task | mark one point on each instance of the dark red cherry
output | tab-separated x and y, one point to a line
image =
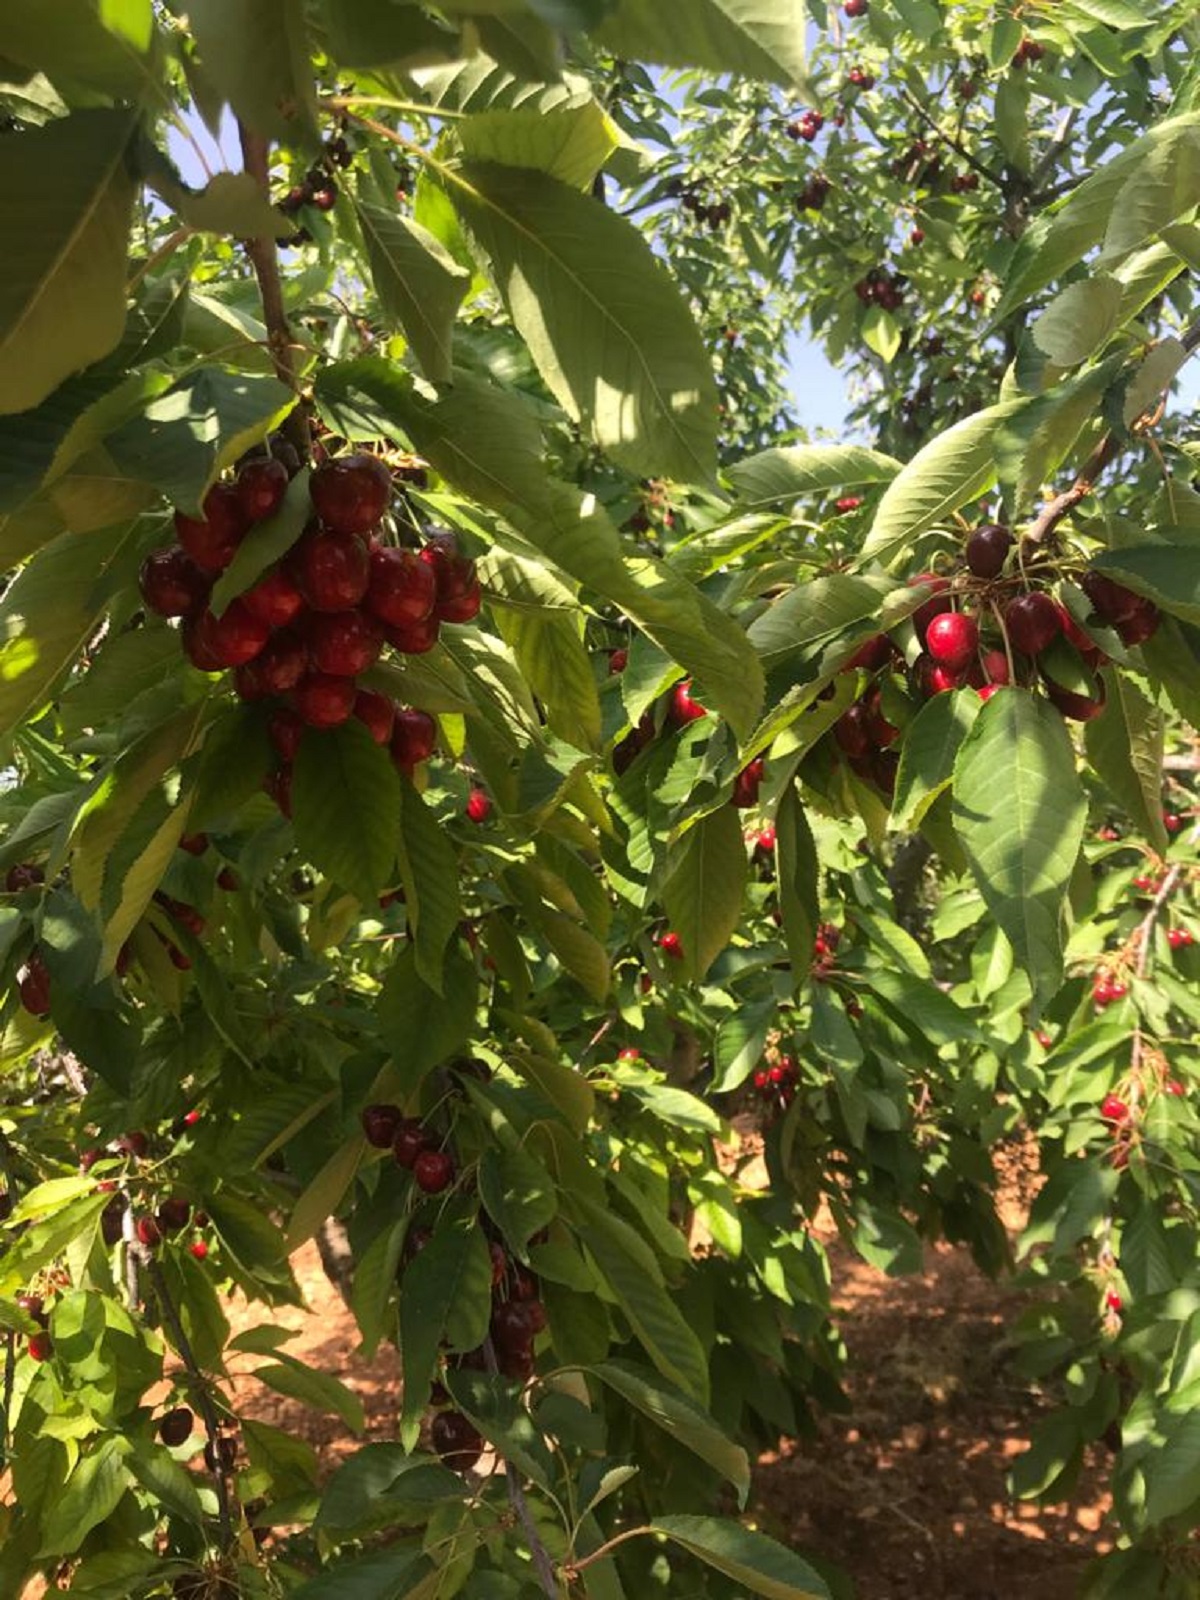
380	1123
416	639
171	583
1032	623
377	714
987	549
402	589
455	1440
330	569
274	599
343	643
352	493
414	738
261	486
324	701
212	541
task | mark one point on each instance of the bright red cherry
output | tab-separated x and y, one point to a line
1176	1088
324	701
330	569
352	493
212	541
1180	938
377	714
952	639
286	730
764	839
1032	623
995	667
856	8
683	708
847	503
1113	1301
630	1053
1172	821
148	1231
274	599
403	589
1103	993
671	945
479	805
746	784
414	739
171	583
1113	1108
433	1171
40	1346
987	549
33	988
199	1249
343	643
231	639
261	486
416	639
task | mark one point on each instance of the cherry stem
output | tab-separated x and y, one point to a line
265	259
200	1396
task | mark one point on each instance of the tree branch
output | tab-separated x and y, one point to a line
1052	513
542	1563
265	259
952	140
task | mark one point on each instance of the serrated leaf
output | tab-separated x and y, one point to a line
1168	574
265	544
429	870
1153	376
420	1025
607	327
799	874
68	201
1019	811
374	1280
375	1479
326	1191
784	473
740	1041
313	1388
703	890
256	54
1078	320
681	1418
419	283
931	743
446	1293
346	805
736	36
1125	745
571	142
750	1559
518	1194
89	1498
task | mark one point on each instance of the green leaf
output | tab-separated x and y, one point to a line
326	1191
420	1025
799	876
814	610
1168	573
429	870
518	1194
1019	811
256	54
741	1039
1164	188
230	202
492	1404
1078	321
90	1497
931	744
446	1293
665	1334
313	1388
161	1475
74	43
570	142
68	195
375	1480
786	472
419	283
362	33
1125	745
750	1559
265	544
245	1230
602	318
374	1280
956	467
681	1418
881	333
552	658
703	891
346	804
737	36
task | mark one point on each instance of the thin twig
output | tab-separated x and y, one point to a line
1055	510
265	260
955	143
200	1396
542	1563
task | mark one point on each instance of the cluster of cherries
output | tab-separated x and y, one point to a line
861	78
715	214
682	710
307	629
1028	52
881	287
414	1144
776	1084
806	126
955	652
814	193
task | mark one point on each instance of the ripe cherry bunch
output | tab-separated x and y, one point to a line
776	1083
314	622
992	623
681	710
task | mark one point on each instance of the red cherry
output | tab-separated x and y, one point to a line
1142	625
148	1232
175	1427
33	1306
33	988
376	712
952	639
330	569
874	653
403	589
414	640
987	549
1180	938
455	1440
1032	623
351	494
1172	821
847	503
212	542
171	583
746	784
939	679
194	843
765	839
433	1171
938	600
1079	707
1111	601
411	1139
324	701
1113	1108
851	731
199	1249
343	643
1113	1301
618	660
1176	1088
1102	993
174	1213
671	945
274	599
227	878
630	1053
856	8
379	1123
197	643
414	739
231	639
995	667
479	805
261	486
683	708
286	730
283	663
987	690
24	875
40	1346
762	1079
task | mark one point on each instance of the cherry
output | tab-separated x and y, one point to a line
987	549
403	589
282	664
148	1231
851	731
746	784
1172	821
1174	1087
233	638
683	708
1032	623
1180	938
171	583
433	1171
351	493
41	1346
1113	1108
630	1053
379	1125
618	660
938	601
223	1458
330	569
764	839
856	8
513	1324
671	945
198	1249
1113	1301
455	1440
917	236
458	593
177	958
479	805
1103	993
414	739
174	1213
416	639
1079	707
344	643
212	541
261	486
874	653
376	712
1111	601
33	1306
952	639
34	987
197	644
274	599
24	875
995	667
175	1427
1142	625
847	503
323	701
411	1139
987	690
